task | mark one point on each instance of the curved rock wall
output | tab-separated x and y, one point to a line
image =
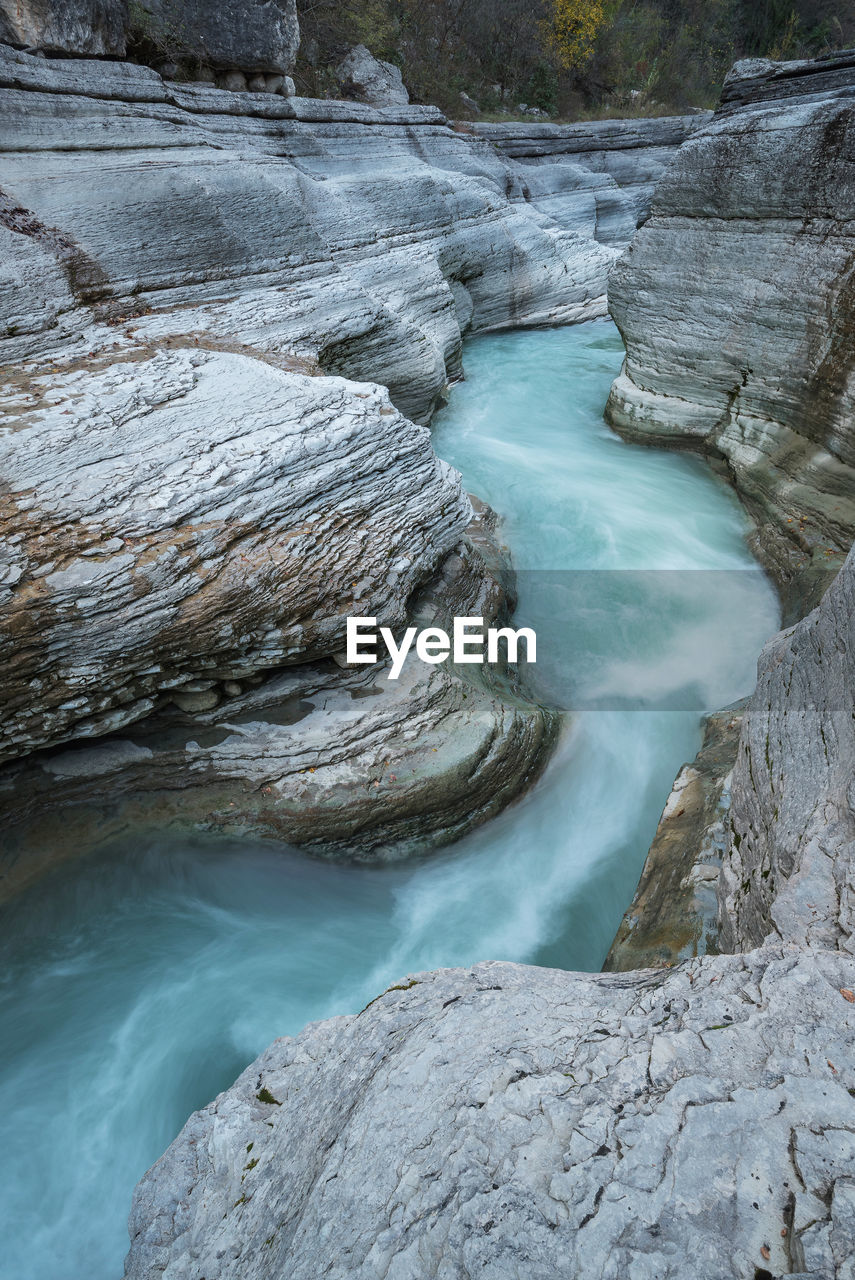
173	254
735	302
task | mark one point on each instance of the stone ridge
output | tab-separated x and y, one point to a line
508	1121
789	872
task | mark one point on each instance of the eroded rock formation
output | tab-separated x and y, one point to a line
341	761
199	515
695	1120
191	500
735	303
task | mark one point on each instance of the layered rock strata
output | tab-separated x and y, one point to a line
191	500
607	169
789	872
693	1119
734	301
342	762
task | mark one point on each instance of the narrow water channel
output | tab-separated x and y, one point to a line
136	985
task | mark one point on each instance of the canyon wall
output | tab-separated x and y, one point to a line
201	482
735	304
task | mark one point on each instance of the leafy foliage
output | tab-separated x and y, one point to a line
567	57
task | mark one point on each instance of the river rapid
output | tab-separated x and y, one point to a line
137	983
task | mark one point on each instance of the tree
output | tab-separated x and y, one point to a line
571	30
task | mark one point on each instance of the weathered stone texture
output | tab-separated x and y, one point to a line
199	515
736	304
790	870
89	27
507	1121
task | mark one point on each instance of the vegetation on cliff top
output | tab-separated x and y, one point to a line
567	58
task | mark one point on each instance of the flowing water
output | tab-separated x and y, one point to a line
137	984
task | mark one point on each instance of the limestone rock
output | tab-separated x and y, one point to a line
735	303
603	172
361	75
91	27
192	512
790	868
508	1121
674	913
231	35
340	761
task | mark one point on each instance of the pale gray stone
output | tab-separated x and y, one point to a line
361	75
735	301
505	1121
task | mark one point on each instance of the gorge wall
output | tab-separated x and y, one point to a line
200	484
735	303
689	1120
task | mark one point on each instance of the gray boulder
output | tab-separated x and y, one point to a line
231	35
94	27
360	75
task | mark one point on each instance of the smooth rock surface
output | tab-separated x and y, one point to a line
507	1121
735	303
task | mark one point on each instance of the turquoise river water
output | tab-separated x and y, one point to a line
136	985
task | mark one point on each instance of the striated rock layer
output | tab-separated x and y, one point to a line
199	515
735	303
344	763
189	499
697	1119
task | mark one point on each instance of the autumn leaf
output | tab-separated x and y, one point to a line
764	1252
847	994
